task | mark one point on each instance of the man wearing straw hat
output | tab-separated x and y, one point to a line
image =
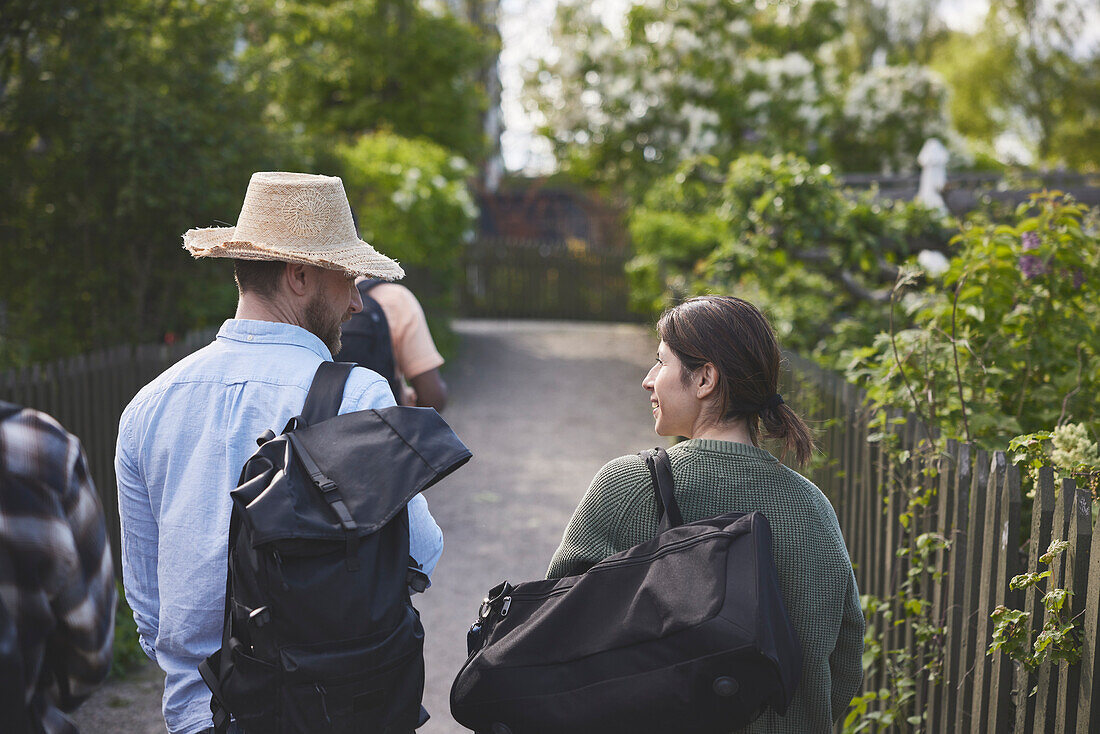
184	437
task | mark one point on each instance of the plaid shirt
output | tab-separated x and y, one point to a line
57	590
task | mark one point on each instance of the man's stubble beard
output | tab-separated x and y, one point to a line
322	323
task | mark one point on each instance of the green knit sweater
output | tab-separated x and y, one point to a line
815	573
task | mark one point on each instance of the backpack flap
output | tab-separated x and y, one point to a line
377	459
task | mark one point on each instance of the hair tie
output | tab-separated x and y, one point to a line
773	402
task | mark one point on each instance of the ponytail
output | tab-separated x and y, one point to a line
783	424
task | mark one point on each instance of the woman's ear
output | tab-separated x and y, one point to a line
706	381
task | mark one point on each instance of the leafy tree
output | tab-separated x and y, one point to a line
125	122
121	125
724	78
345	67
1027	72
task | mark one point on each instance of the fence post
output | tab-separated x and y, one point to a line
1077	564
1042	519
1046	702
1088	700
990	549
1008	565
954	656
970	607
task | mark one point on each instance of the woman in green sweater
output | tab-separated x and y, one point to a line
715	382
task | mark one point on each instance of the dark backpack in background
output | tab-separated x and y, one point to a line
320	634
685	633
367	340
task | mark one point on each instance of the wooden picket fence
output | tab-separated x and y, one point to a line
86	394
509	278
976	505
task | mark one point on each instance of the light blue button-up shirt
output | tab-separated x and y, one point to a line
181	444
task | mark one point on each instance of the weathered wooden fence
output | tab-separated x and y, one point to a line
86	394
965	192
541	279
976	505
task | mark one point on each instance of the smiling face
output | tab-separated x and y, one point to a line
673	395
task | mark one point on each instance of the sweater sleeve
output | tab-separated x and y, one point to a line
846	660
589	537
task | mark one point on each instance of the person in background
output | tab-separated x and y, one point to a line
716	382
57	586
390	336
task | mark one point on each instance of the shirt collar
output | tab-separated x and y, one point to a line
248	331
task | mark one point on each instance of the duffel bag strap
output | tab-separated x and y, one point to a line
664	487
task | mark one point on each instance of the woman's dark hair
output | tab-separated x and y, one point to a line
737	339
258	276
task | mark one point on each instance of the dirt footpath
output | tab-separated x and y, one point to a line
542	405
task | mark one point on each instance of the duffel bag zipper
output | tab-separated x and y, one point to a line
678	545
686	542
324	707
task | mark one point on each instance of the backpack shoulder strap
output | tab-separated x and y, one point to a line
366	285
664	487
327	391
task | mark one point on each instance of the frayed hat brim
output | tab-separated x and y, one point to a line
355	257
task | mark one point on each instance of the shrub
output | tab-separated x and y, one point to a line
781	232
1008	343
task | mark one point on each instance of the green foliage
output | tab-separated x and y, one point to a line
413	203
1027	71
1068	449
892	708
345	67
782	233
124	123
127	654
1007	344
1058	638
120	127
696	77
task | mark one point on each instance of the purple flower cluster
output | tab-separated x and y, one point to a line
1031	265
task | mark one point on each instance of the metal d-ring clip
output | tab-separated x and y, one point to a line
495	594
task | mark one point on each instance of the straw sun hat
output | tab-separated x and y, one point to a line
294	217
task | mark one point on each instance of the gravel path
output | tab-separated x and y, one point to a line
542	405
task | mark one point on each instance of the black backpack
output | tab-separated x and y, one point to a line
685	633
366	339
320	634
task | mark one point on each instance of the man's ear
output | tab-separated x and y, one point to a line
706	380
297	277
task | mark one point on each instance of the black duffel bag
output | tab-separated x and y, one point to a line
684	633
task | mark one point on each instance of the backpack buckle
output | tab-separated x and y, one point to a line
259	617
